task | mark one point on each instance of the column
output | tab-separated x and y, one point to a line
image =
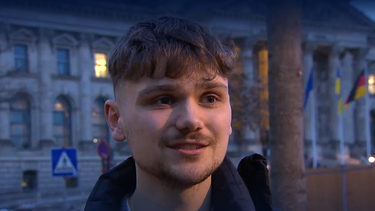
4	123
249	131
45	57
334	64
6	54
262	58
347	84
5	64
360	111
86	67
308	64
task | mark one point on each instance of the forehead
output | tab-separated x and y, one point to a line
195	81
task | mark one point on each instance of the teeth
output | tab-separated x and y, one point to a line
188	146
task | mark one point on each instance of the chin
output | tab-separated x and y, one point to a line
187	175
184	181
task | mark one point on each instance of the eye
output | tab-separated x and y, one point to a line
165	100
210	99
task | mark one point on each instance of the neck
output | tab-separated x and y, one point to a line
154	194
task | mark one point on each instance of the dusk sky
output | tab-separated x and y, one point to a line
366	6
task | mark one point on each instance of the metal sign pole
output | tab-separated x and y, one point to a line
64	164
103	150
64	195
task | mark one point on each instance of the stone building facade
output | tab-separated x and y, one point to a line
54	79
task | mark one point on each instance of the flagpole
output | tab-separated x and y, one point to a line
359	90
313	127
367	118
310	96
341	136
342	144
341	121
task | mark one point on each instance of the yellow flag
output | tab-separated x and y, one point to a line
338	90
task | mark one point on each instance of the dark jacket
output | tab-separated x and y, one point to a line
254	172
229	191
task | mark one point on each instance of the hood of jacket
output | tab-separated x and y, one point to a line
229	192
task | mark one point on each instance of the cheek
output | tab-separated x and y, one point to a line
229	121
144	125
226	120
221	124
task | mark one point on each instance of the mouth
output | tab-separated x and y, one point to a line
187	146
188	149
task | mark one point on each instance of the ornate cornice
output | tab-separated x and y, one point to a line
90	10
65	39
305	23
324	16
121	10
353	12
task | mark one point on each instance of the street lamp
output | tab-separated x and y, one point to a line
371	159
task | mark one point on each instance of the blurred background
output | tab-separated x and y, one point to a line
54	82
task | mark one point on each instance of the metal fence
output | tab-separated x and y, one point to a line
349	188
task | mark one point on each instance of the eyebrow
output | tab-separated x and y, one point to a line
211	85
177	87
159	88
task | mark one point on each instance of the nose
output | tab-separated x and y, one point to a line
189	117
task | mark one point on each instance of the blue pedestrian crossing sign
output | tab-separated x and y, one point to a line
64	162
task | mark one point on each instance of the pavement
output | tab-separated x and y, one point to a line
73	202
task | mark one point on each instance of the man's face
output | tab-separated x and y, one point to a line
177	129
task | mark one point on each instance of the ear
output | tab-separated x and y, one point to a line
112	114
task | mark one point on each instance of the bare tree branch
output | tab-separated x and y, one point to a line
247	107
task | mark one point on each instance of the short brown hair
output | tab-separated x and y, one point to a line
168	47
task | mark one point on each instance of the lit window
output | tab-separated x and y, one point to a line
371	84
263	94
63	64
29	180
101	65
20	57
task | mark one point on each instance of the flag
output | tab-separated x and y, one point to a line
309	88
338	90
358	90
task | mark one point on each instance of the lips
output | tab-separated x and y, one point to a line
187	145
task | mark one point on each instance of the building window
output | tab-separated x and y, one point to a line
20	122
63	64
29	180
371	84
71	182
20	58
263	86
62	122
99	123
101	65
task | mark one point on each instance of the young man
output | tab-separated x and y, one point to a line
172	106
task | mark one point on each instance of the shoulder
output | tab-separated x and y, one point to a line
125	205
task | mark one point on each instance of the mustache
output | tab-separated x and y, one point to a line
199	137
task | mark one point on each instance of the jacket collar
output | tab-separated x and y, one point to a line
229	192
